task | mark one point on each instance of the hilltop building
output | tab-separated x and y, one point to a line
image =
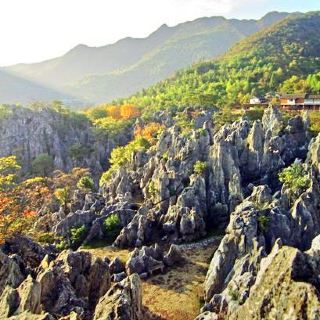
258	100
300	101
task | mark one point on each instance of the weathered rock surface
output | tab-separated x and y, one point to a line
252	274
122	302
147	260
179	203
285	289
29	133
72	283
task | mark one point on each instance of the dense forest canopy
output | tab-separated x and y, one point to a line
283	58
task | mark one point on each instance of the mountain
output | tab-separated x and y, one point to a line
15	89
99	74
283	57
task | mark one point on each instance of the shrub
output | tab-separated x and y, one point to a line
165	156
234	294
46	237
185	122
226	115
263	222
42	165
315	122
122	155
5	111
112	227
78	151
62	245
254	113
129	111
110	126
150	132
199	167
86	183
77	236
8	172
152	188
295	178
63	195
202	131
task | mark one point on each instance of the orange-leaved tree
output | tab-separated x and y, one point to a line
150	132
19	202
129	111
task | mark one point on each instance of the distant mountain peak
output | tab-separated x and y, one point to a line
104	73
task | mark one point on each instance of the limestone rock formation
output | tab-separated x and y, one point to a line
246	272
122	302
29	133
72	283
147	260
179	203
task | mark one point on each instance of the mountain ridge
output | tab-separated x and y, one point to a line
97	74
281	58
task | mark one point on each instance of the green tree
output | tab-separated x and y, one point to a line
77	236
63	195
199	167
112	227
295	178
42	165
9	168
86	183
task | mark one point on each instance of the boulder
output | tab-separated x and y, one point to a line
173	256
116	266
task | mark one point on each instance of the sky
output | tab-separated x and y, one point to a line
36	30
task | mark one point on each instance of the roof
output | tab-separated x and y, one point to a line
293	96
313	96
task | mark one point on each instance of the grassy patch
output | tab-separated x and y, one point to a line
103	251
178	294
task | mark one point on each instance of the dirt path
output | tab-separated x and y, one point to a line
177	294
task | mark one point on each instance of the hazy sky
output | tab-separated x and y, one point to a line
34	30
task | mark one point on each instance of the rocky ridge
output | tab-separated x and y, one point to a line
163	196
66	137
69	285
260	267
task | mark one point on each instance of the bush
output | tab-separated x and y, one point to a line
315	122
112	227
46	237
78	151
226	115
234	294
254	113
263	222
199	167
122	155
151	131
85	183
42	165
295	178
5	111
152	189
63	195
77	236
62	245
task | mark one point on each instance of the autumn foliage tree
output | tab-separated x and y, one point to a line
129	111
19	202
150	131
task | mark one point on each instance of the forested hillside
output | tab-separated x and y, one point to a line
283	58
